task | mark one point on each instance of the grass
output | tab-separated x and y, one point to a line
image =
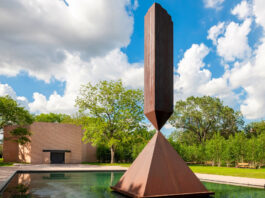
227	171
5	163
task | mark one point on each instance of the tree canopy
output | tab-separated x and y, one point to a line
12	114
198	118
255	128
52	117
114	113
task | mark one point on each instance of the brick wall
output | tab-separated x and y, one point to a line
89	153
51	136
10	148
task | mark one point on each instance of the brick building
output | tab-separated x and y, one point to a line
50	143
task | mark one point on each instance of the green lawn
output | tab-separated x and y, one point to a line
238	172
5	163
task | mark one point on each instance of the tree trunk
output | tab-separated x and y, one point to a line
112	153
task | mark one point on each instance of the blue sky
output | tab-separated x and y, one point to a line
49	48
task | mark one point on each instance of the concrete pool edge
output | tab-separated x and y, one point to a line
230	180
3	186
233	183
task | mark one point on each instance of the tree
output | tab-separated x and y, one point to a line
198	118
252	151
255	149
215	148
12	114
255	128
193	153
173	139
21	135
114	113
227	153
52	117
261	149
238	146
189	151
140	139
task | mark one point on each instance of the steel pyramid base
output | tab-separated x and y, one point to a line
159	171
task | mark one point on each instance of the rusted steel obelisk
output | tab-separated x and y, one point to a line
159	171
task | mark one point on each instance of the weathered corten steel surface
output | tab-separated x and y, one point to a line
159	171
158	66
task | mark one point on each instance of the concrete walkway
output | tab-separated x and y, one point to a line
8	171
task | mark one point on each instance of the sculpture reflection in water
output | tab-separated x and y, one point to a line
19	186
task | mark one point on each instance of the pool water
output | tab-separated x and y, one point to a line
96	185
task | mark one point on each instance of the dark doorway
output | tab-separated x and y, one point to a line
57	157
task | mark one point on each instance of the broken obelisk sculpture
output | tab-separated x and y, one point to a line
159	171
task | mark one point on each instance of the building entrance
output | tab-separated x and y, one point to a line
57	158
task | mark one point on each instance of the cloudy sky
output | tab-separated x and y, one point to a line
49	48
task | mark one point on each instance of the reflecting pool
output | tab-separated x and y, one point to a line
96	185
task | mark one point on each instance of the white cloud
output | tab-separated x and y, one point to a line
250	74
55	104
247	73
47	39
113	66
74	44
259	7
240	74
5	90
34	35
168	126
251	77
191	72
220	87
242	10
213	3
194	80
215	31
253	106
234	44
243	80
135	5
